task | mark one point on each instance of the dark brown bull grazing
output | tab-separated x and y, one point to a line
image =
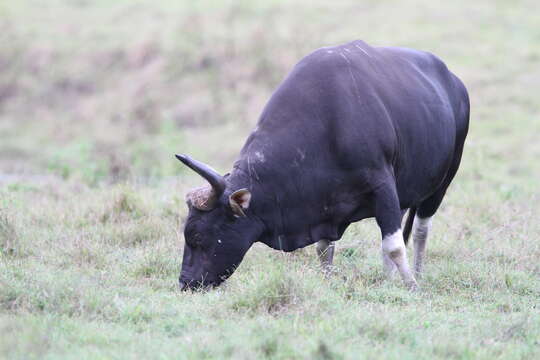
353	132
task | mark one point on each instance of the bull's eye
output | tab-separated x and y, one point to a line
194	239
197	239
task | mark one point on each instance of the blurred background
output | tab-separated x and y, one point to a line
99	91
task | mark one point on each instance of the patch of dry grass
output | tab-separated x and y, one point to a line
8	234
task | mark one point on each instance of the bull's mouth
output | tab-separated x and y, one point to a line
202	285
194	285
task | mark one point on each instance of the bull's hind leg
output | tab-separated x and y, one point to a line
325	252
388	216
422	225
426	210
420	233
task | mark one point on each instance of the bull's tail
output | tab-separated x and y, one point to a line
409	224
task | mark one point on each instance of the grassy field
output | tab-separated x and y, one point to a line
96	97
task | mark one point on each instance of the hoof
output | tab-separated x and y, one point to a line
329	270
413	286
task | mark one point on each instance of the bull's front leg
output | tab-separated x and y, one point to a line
388	265
325	252
388	216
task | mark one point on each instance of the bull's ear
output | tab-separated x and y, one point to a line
239	201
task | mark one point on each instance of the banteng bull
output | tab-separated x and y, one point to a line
353	132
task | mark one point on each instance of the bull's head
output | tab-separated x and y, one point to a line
219	229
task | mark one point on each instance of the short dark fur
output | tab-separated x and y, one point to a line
354	131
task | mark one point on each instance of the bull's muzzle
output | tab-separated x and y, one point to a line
194	285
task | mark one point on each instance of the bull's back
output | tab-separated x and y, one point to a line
392	111
428	113
363	110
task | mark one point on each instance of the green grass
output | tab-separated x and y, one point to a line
96	97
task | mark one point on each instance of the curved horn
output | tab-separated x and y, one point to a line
217	181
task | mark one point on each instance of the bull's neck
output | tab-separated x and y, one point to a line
241	176
247	174
265	204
